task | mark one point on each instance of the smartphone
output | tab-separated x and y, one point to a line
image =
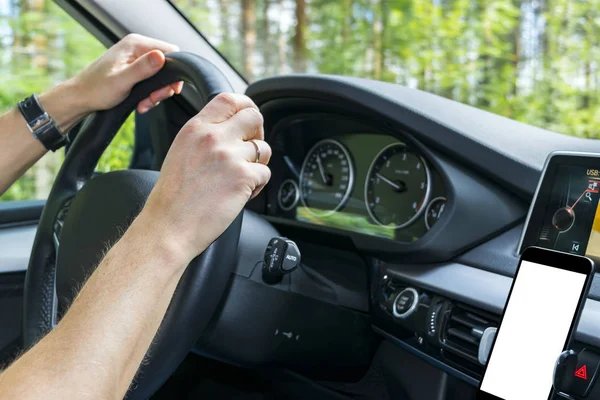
539	320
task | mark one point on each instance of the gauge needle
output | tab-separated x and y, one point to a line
389	182
322	170
287	196
577	201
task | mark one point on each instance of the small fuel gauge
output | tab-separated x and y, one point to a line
434	211
288	195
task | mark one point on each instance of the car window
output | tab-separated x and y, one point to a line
41	46
533	61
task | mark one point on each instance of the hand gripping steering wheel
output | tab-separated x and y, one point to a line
100	208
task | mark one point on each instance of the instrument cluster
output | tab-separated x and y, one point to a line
356	180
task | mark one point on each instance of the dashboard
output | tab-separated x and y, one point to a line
341	174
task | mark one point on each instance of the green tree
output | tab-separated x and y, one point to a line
535	61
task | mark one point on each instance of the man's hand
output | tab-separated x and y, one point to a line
209	174
100	86
108	80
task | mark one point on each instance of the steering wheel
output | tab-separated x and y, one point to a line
100	208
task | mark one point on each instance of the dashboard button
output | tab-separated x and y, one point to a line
574	374
405	303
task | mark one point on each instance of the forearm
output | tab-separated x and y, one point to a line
19	150
96	349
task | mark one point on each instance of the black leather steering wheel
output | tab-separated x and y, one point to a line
99	210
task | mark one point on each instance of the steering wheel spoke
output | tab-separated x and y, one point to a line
59	223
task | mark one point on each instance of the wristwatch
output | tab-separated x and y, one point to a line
41	125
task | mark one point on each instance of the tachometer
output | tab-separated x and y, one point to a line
326	178
397	187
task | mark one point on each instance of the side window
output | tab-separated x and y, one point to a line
41	45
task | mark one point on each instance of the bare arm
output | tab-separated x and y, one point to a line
104	84
95	350
207	178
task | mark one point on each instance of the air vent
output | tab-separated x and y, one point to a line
468	334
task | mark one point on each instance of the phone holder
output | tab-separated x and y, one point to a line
575	373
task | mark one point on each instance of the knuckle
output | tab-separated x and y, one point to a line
132	38
209	139
197	121
249	100
242	172
267	175
226	100
222	154
256	115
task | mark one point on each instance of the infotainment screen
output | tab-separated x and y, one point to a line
565	214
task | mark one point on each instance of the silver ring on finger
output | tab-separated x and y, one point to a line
257	147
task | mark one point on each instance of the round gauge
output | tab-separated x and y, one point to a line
397	186
326	178
288	195
434	211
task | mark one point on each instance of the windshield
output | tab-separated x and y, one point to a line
534	61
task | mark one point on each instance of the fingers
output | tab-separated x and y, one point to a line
143	44
149	59
177	87
143	67
154	99
261	155
246	124
159	95
224	106
261	174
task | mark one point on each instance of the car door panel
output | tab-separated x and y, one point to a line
15	247
11	300
18	222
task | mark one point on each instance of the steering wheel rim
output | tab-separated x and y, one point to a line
204	281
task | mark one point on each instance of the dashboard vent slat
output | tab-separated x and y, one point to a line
452	332
462	332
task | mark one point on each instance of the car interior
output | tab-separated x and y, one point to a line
401	216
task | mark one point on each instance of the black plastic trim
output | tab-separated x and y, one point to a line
433	361
182	14
88	21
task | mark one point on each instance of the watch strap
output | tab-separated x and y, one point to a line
41	125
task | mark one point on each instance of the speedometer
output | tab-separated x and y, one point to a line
397	186
326	178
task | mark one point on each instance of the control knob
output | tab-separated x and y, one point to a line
282	256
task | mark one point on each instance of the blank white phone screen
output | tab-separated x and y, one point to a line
533	332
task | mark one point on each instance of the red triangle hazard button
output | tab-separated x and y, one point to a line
582	372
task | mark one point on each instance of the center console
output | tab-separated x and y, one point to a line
455	335
448	314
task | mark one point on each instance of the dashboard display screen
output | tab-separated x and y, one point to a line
534	328
566	212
